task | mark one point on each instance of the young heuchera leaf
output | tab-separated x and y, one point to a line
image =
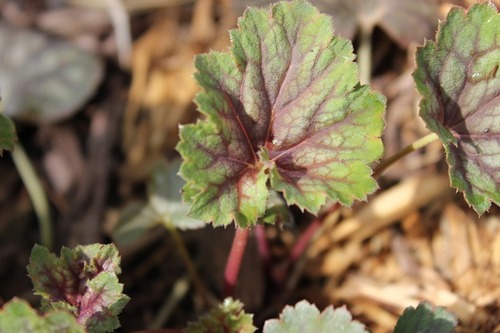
165	197
164	207
7	134
228	317
459	79
18	316
426	319
285	108
83	281
305	317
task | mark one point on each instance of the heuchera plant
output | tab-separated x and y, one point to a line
79	290
459	79
283	110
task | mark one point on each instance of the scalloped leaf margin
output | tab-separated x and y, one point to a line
425	318
18	316
305	317
228	316
284	108
82	281
459	79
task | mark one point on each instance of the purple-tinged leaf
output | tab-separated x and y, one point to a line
7	134
83	280
18	316
305	317
284	108
228	317
459	79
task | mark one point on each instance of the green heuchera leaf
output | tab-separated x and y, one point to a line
18	316
425	319
7	134
165	197
459	79
284	108
83	281
228	317
305	318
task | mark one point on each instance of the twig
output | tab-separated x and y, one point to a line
420	143
36	193
193	274
262	245
365	55
121	26
179	290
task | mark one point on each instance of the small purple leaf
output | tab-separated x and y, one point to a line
83	280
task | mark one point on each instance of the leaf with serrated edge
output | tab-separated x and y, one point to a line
285	105
426	319
7	134
305	317
228	316
18	316
459	79
82	280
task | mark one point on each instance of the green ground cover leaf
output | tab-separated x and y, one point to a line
83	281
305	318
7	134
459	79
228	317
18	316
284	108
425	319
164	207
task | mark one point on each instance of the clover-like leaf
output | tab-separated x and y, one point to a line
83	281
18	316
227	317
459	79
305	318
284	108
7	134
42	79
426	319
